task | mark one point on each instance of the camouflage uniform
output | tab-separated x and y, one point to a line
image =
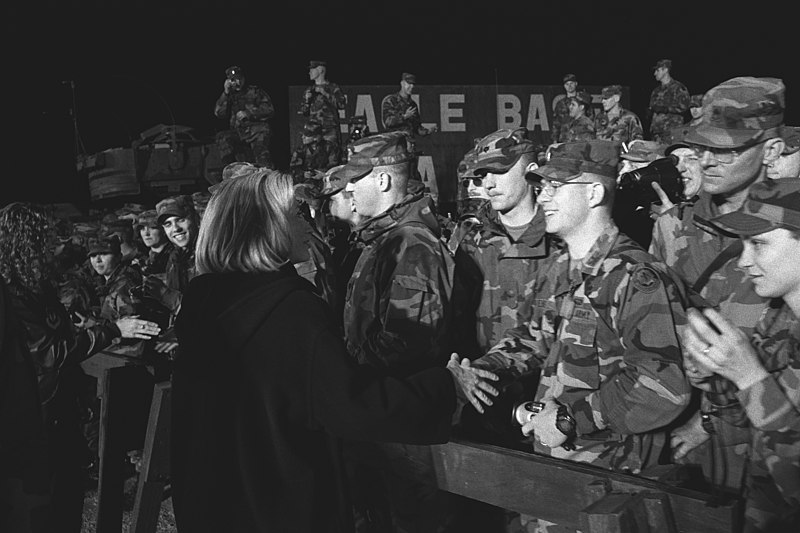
253	131
668	105
318	267
773	476
579	129
605	336
114	293
625	127
561	120
314	154
395	312
321	104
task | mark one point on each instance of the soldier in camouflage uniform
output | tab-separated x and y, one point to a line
115	280
602	325
695	109
561	117
248	109
615	123
321	104
669	102
580	126
313	154
738	138
397	308
765	370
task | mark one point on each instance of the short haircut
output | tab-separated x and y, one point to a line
400	172
247	224
609	186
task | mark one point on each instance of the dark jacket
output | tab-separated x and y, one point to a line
261	380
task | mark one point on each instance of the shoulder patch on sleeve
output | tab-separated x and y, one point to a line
645	279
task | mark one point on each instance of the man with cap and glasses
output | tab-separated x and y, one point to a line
248	109
765	367
561	108
739	137
321	104
601	325
669	102
616	123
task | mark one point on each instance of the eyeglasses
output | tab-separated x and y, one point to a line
477	181
720	155
550	187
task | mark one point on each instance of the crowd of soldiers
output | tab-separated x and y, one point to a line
676	344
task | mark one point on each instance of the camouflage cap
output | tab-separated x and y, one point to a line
234	72
663	63
147	219
790	136
696	100
316	63
570	77
374	151
582	97
642	151
105	244
332	182
175	206
499	151
770	204
469	163
611	90
408	78
740	112
569	160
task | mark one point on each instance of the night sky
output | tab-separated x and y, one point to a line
139	64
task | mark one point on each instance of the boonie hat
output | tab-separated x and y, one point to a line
374	151
740	112
499	151
569	160
769	205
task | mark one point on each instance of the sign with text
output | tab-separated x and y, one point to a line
462	113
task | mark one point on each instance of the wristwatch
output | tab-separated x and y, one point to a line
566	424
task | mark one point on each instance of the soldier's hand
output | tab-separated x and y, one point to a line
241	115
131	327
543	426
410	112
688	437
472	382
433	129
227	86
666	204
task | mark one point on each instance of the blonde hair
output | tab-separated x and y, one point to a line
247	224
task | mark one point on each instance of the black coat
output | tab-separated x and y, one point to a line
261	381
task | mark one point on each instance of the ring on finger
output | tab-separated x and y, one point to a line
707	349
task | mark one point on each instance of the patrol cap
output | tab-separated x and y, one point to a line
569	160
570	77
499	151
612	90
641	151
769	205
377	150
316	63
791	138
469	163
332	182
105	244
663	63
175	206
408	78
234	72
740	112
582	97
696	100
147	219
678	135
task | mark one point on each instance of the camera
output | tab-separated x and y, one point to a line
638	183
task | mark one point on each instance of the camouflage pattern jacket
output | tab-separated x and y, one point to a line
686	240
605	337
507	271
579	129
773	407
257	107
312	156
624	127
394	107
114	293
668	104
321	104
396	309
561	120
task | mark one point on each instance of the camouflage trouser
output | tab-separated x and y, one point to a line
661	126
332	143
249	144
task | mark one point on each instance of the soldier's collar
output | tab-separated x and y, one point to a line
593	260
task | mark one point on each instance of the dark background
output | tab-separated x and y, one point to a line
134	65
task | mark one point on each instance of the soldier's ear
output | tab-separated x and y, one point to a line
384	181
773	148
597	194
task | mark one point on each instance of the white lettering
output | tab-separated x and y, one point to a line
509	110
537	115
364	106
446	113
428	175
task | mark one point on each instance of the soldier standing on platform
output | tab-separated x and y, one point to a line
561	108
668	103
321	104
615	123
248	109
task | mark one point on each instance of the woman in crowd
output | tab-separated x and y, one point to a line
56	350
262	381
765	368
158	246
